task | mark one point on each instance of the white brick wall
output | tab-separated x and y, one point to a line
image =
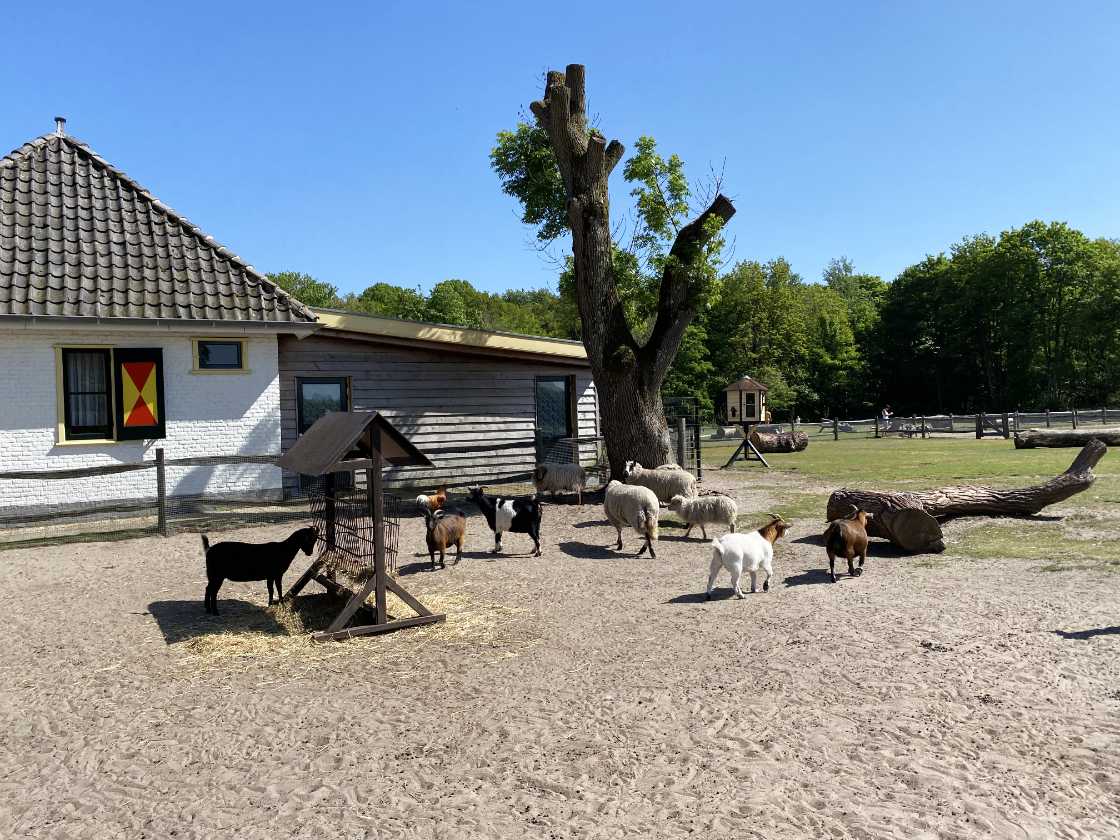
206	415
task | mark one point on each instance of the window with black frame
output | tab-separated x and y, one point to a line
218	355
316	397
87	386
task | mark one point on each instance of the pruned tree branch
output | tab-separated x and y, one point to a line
676	302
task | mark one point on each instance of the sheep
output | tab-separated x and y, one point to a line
443	529
518	516
434	502
252	561
666	483
752	551
554	478
635	506
708	509
848	539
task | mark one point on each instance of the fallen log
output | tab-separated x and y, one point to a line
914	533
1030	438
779	441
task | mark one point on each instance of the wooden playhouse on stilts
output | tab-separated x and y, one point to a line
340	459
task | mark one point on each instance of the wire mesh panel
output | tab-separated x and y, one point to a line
340	512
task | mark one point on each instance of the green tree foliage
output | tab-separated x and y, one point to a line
306	289
386	299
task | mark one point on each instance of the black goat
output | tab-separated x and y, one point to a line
252	561
518	516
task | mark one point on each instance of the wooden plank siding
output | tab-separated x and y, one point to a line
474	417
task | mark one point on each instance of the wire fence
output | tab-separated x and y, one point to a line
985	424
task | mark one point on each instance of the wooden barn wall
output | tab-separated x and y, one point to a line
473	416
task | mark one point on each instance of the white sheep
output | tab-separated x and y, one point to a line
557	478
666	483
752	551
633	506
705	510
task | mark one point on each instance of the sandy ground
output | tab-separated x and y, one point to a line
582	694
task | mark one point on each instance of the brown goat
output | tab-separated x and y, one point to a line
443	530
848	539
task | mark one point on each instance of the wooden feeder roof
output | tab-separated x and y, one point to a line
346	440
746	383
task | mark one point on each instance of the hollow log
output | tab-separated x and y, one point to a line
1031	438
779	441
964	500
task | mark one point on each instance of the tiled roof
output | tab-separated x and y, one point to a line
78	237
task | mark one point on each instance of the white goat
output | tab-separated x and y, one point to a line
557	478
666	483
636	507
712	509
750	552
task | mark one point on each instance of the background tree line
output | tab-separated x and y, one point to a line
1027	320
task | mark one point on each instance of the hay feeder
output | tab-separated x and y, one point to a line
357	524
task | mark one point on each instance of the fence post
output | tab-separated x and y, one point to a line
1017	426
876	425
1047	418
682	430
696	443
161	493
1006	426
835	428
952	428
979	425
1074	412
923	427
1104	416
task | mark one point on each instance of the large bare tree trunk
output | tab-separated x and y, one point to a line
779	441
1030	438
966	500
628	375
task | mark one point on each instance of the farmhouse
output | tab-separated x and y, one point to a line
483	406
124	327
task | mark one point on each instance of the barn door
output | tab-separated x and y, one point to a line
554	418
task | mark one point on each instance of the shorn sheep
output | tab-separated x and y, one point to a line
518	516
847	538
709	509
749	552
665	483
443	529
560	478
252	561
634	506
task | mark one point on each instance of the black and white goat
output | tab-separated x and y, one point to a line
252	561
516	515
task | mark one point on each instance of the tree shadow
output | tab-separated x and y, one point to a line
1088	634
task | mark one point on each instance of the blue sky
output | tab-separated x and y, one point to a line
350	140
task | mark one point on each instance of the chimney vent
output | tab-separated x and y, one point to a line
60	126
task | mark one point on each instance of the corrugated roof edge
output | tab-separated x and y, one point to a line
218	247
368	324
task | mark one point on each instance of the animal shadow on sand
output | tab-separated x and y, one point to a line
720	593
1088	634
180	621
875	547
587	551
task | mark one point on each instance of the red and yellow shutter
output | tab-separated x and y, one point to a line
138	385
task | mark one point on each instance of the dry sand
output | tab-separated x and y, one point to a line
582	694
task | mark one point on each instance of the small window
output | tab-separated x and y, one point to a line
219	355
316	397
86	388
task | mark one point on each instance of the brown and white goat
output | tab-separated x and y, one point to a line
751	552
443	530
847	538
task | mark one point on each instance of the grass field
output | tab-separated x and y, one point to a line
1080	533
